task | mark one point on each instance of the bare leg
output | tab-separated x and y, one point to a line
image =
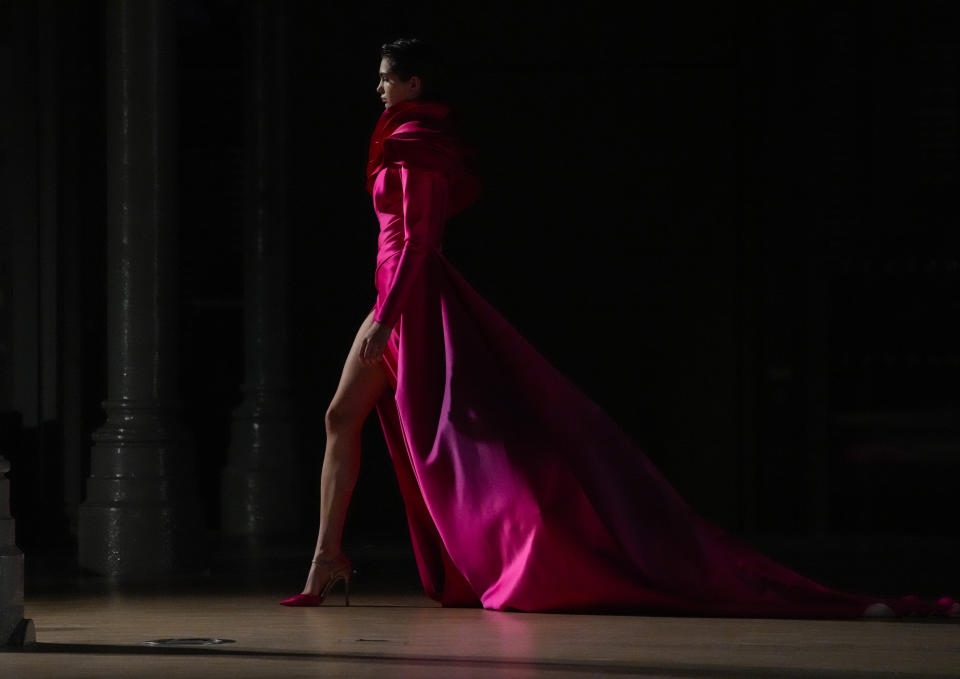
358	392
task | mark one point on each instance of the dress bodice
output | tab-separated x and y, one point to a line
411	206
388	206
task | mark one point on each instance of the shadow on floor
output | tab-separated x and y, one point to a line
435	663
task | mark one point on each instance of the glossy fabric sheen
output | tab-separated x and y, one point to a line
520	492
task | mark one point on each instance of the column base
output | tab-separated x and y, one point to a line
142	519
142	541
253	503
24	633
11	589
261	493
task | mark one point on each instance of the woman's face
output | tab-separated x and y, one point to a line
392	90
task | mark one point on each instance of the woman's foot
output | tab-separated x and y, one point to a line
324	574
322	569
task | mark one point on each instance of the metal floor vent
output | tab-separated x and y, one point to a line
188	641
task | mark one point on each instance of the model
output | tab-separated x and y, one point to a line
520	492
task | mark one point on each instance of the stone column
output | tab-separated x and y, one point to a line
260	485
14	629
141	517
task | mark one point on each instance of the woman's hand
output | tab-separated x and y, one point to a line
373	343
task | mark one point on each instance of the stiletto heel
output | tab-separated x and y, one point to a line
338	572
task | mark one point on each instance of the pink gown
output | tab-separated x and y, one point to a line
520	492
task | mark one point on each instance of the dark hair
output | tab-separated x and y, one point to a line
414	56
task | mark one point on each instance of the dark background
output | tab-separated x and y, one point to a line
733	225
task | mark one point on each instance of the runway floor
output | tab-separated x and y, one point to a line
87	628
389	636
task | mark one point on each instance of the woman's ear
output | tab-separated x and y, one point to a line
415	83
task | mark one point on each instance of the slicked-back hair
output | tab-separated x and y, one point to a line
416	57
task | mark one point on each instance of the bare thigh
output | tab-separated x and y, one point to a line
361	386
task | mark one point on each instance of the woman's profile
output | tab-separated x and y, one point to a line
520	492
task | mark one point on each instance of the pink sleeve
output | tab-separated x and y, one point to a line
424	211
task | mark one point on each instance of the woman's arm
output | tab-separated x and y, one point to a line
424	211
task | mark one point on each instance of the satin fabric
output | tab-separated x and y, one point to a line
520	492
420	134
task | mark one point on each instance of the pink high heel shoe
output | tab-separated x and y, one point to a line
339	570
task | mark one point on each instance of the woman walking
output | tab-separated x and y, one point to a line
520	492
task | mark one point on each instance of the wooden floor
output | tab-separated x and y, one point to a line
391	635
